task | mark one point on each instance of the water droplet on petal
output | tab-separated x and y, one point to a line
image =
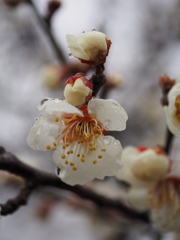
83	31
93	29
56	100
70	55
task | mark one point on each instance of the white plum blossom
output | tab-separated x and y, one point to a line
143	166
81	151
91	48
172	110
162	195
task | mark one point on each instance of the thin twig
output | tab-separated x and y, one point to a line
36	178
46	27
169	141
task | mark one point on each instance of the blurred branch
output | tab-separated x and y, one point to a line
46	27
35	178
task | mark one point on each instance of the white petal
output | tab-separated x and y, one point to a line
110	163
128	157
59	107
109	113
172	122
76	48
67	174
94	39
170	110
165	218
42	133
138	198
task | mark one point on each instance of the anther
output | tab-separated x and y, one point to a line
103	149
67	144
54	148
66	162
71	164
71	151
82	159
63	147
48	147
57	119
100	156
74	168
95	161
78	155
63	156
83	155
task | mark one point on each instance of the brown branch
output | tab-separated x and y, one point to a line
35	178
98	79
47	30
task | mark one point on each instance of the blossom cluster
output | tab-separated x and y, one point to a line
154	184
74	128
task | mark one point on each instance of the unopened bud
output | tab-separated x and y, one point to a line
53	75
91	48
151	166
78	90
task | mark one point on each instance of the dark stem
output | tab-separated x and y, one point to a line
35	178
169	140
98	79
47	30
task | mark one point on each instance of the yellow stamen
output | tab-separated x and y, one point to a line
57	119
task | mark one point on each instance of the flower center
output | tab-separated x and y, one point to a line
177	106
79	136
164	199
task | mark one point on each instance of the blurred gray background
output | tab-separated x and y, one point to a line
145	39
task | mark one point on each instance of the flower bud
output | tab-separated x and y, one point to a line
52	76
151	166
143	166
78	90
91	48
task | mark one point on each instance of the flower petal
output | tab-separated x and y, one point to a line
42	133
67	174
138	198
128	157
59	107
94	39
170	111
76	49
110	163
172	122
109	113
